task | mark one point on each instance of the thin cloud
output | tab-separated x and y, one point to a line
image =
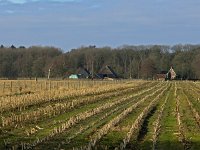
17	1
28	1
95	6
9	11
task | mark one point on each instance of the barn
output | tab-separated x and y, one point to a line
162	76
82	73
107	72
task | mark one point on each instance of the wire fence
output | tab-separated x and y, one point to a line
20	86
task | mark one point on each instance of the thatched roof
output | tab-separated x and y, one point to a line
107	71
83	73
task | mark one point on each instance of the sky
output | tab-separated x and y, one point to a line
69	24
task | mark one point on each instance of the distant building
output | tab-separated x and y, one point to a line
107	72
164	75
171	74
161	76
74	76
82	73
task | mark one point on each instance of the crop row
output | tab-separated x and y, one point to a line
157	124
104	130
24	101
138	122
150	115
194	111
59	108
79	117
179	121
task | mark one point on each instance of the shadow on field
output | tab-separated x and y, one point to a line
144	129
147	145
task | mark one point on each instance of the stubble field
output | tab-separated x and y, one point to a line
101	115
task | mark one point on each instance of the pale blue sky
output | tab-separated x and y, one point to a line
70	24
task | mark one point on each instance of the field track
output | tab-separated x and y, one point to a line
126	115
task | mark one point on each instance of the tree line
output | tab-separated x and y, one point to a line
140	62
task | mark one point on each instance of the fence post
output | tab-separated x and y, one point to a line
36	85
57	85
41	86
4	85
49	85
25	83
31	86
45	85
11	84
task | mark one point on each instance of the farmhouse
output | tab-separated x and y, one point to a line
82	73
107	72
161	76
164	75
171	74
